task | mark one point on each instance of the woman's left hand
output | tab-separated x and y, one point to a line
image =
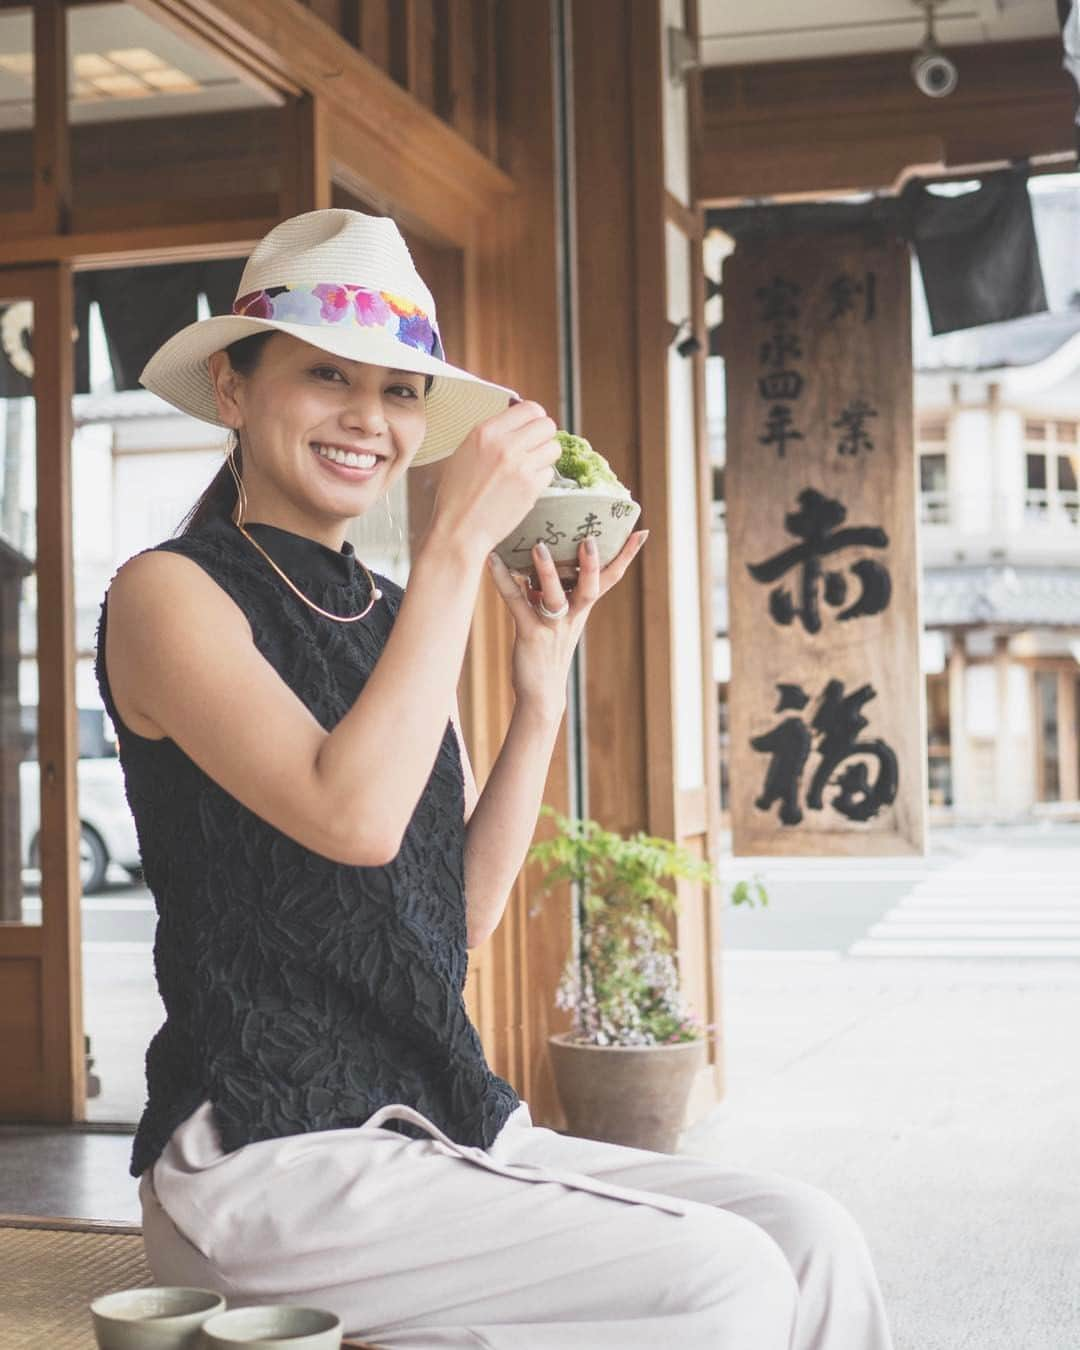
544	648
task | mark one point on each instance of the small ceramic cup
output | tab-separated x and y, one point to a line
153	1319
277	1327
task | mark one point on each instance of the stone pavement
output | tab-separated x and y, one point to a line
940	1101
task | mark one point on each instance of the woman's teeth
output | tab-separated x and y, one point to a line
347	457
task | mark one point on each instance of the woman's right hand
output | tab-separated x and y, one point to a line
496	475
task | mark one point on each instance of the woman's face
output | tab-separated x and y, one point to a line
301	403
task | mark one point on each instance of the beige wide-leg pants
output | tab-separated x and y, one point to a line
540	1242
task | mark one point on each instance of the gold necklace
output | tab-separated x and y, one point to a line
376	594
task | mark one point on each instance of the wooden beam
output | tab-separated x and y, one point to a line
206	238
165	215
52	158
305	158
377	130
846	123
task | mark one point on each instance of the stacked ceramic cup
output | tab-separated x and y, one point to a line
195	1319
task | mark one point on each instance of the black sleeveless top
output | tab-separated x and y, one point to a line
302	993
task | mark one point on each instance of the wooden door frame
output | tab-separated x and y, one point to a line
353	126
48	958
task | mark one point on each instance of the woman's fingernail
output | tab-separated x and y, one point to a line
491	559
590	547
544	552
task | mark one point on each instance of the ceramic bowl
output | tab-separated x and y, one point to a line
153	1319
562	519
278	1327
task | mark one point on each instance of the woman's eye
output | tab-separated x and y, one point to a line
405	389
323	371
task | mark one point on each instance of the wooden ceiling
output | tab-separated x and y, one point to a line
776	30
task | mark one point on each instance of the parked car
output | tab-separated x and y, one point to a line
107	827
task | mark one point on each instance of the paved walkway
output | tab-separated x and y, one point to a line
927	1074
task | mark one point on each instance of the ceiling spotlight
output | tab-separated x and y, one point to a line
935	75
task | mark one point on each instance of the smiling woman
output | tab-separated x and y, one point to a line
287	729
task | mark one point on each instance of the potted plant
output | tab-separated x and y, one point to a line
625	1069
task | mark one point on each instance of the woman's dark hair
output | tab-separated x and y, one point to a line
220	497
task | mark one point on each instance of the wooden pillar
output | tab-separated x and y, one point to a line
958	737
305	163
52	154
1068	756
1004	765
623	224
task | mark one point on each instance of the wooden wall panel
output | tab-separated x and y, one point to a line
800	127
441	51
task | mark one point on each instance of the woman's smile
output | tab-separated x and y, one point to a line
357	465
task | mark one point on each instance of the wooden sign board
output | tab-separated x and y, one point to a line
828	748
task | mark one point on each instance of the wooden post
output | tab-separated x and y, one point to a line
52	152
305	162
1068	755
1004	764
959	752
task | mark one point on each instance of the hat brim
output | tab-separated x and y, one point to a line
457	402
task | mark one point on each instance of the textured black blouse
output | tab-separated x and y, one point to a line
302	993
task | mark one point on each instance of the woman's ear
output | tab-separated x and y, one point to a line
226	383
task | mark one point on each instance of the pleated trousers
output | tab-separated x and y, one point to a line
540	1242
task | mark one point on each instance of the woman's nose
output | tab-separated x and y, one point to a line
365	414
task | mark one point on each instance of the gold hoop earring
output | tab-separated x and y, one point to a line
233	444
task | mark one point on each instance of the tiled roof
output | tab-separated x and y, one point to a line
1029	597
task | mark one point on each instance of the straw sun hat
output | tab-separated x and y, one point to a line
345	282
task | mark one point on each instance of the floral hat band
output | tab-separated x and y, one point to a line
333	303
390	320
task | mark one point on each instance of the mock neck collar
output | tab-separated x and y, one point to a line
298	555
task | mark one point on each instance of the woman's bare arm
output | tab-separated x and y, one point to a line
179	652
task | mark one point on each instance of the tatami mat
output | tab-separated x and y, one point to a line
51	1270
50	1277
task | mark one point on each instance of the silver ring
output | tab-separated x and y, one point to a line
553	613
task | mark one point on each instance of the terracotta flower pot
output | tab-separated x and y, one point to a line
626	1094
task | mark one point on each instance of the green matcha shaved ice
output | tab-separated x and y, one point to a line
581	463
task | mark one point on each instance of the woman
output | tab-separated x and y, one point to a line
321	1123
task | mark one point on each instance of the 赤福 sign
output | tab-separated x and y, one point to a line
826	702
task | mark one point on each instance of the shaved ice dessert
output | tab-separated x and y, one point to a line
580	466
584	500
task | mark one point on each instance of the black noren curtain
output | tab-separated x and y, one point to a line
141	307
978	254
